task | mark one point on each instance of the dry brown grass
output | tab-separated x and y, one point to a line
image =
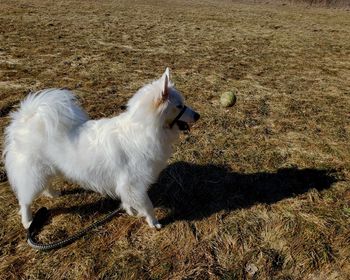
324	3
306	3
258	191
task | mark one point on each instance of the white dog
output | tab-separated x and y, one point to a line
121	156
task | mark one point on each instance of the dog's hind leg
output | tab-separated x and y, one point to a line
26	197
26	214
28	179
26	194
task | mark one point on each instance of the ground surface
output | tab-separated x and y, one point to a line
257	191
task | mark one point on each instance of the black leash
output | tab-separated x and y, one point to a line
42	215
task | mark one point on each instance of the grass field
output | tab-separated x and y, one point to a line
257	191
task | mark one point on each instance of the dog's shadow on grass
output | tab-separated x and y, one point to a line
193	192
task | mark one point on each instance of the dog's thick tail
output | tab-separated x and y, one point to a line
43	114
57	108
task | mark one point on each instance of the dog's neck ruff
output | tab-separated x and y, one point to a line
178	116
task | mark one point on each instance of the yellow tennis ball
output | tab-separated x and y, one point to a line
228	98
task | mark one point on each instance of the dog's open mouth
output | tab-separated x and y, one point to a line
183	126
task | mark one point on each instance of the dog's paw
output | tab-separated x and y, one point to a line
153	222
26	224
158	226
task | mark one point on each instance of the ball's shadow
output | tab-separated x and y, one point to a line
193	192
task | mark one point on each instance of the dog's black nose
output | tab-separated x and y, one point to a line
196	116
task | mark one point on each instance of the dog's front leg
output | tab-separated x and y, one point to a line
147	211
139	201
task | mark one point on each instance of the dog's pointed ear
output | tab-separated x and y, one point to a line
165	78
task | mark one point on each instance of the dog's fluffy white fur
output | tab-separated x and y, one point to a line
50	134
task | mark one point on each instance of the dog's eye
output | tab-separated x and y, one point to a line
179	106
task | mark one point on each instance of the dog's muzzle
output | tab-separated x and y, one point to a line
182	125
